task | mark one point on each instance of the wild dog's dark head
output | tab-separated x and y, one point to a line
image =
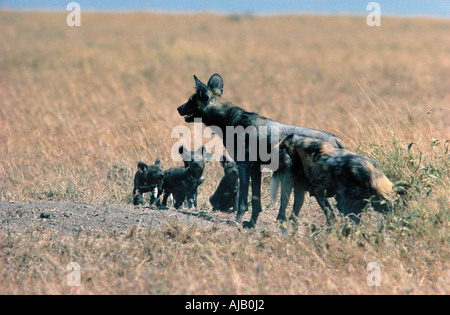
204	94
230	168
148	175
195	160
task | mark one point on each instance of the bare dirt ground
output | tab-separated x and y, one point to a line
80	218
75	218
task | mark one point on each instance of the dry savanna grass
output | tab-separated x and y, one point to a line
79	106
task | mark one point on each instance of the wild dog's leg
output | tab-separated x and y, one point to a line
355	217
179	199
256	196
236	201
299	197
350	206
287	182
195	198
154	196
244	181
191	202
191	199
137	197
178	204
166	196
327	210
158	197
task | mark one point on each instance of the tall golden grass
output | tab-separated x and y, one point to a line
81	105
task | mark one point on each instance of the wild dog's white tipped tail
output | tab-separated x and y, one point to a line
274	185
383	186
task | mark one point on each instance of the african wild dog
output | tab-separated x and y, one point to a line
207	103
227	193
183	181
326	171
147	178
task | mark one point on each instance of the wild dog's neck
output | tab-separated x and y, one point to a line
221	113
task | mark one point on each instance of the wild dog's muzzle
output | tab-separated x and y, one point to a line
186	111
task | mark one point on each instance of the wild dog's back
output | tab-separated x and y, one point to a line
288	131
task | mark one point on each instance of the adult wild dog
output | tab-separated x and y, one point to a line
326	171
255	133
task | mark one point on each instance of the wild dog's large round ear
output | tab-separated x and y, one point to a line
185	153
202	90
207	156
157	162
142	166
215	84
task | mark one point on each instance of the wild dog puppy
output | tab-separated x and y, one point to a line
183	181
208	105
326	171
227	193
147	178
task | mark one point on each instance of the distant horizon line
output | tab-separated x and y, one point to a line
224	13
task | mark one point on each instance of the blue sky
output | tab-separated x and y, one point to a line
434	8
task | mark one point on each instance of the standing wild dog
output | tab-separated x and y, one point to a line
147	178
227	193
208	105
326	171
183	181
